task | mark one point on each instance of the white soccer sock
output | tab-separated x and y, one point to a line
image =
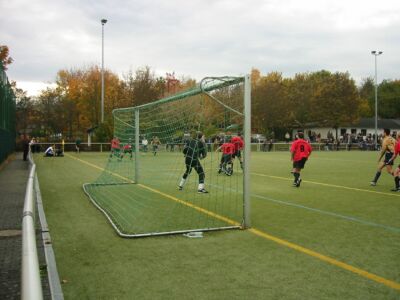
201	186
182	182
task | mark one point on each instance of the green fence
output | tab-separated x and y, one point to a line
7	117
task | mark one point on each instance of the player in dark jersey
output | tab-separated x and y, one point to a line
300	151
239	144
194	150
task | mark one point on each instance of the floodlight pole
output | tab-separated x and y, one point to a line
103	21
246	154
376	54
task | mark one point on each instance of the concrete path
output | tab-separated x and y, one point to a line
13	179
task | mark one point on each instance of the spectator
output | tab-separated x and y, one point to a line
25	146
145	142
264	146
78	145
270	145
32	145
287	137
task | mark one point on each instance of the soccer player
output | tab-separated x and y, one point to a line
300	151
127	148
53	151
115	147
78	145
228	152
396	172
145	142
194	150
155	142
239	144
49	151
387	150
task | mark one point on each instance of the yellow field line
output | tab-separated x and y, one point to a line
200	209
330	185
205	211
332	261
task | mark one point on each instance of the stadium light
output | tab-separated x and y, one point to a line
103	21
376	54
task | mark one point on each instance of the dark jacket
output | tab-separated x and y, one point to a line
195	149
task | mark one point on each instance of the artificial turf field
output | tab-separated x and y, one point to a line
335	237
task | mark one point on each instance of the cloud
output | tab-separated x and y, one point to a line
202	37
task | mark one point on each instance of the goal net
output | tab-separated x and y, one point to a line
163	177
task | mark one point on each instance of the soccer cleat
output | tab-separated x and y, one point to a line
395	190
373	183
294	183
202	191
298	183
219	171
180	188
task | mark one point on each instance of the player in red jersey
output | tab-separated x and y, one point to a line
396	172
300	151
127	149
226	165
239	144
115	147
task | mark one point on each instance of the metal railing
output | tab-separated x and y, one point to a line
31	287
255	147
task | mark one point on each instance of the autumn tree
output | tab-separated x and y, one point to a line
335	101
145	87
366	92
270	103
5	59
24	108
318	98
389	99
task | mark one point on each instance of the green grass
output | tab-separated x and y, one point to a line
144	208
359	226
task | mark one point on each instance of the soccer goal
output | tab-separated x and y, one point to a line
149	188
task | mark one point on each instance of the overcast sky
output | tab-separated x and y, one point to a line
198	38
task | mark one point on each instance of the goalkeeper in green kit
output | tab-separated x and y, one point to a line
194	150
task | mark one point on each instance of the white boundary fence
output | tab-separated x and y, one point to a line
30	275
255	147
31	288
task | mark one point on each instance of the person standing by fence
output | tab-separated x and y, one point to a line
78	145
25	146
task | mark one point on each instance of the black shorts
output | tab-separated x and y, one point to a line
300	163
388	156
227	158
237	154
